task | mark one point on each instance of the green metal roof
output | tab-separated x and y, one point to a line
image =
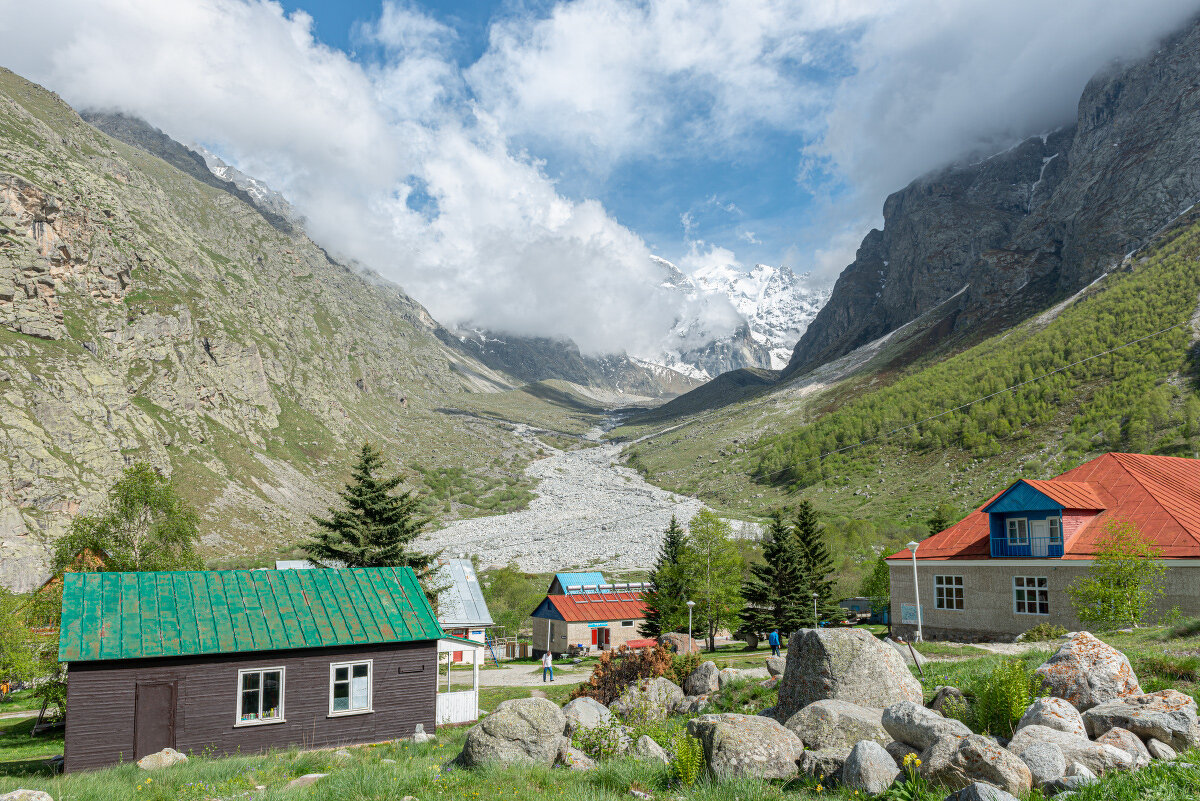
144	615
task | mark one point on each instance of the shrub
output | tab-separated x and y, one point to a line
618	669
1123	581
599	742
1186	628
688	763
682	666
998	699
1043	632
1170	666
743	696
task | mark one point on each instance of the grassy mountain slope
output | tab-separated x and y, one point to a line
770	449
147	316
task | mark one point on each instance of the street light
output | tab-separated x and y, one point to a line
912	547
691	642
816	620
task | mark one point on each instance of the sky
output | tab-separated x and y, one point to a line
514	165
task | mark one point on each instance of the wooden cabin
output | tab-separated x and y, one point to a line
240	661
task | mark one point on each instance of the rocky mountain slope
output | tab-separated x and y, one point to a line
1032	225
149	315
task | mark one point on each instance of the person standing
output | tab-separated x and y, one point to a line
773	639
547	666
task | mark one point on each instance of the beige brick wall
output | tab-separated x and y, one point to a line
563	634
988	595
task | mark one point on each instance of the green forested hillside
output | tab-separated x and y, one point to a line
800	440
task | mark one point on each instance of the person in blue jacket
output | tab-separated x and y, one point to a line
773	639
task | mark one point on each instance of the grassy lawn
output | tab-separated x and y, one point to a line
17	748
936	650
20	701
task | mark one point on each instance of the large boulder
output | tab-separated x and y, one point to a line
1054	713
869	768
648	699
981	791
161	759
647	750
1086	672
913	724
1096	757
702	680
21	794
1166	715
910	656
1128	742
528	730
837	724
1046	763
747	745
728	675
957	762
586	713
572	759
1160	750
823	764
679	643
776	665
846	664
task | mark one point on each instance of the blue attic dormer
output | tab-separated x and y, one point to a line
1025	522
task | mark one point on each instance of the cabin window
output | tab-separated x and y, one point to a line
626	622
350	688
1031	595
1055	524
947	592
260	696
1018	531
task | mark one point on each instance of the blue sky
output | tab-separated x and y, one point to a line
515	166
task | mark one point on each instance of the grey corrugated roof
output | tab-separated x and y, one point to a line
461	604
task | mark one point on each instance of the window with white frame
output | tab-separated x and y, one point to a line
1055	524
260	696
1031	595
1018	531
350	688
626	622
948	592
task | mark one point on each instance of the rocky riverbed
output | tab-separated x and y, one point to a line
590	512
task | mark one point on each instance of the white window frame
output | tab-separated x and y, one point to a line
1022	538
237	712
350	665
1055	524
1041	585
944	588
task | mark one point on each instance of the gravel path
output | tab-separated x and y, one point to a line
589	512
530	676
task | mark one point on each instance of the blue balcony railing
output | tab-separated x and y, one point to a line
1047	547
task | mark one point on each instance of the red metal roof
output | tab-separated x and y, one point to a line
1070	494
1160	494
596	608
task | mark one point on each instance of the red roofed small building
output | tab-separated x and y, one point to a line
582	609
1006	567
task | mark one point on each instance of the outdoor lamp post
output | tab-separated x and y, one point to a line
816	620
912	547
691	642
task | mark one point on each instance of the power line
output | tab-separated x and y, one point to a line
1013	388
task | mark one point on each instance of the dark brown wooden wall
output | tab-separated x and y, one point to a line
100	698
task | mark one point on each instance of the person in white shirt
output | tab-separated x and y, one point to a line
547	666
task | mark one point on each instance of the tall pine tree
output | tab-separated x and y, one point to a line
666	600
774	590
376	527
817	566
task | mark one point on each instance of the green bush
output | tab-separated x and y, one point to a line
998	699
1180	667
688	763
1043	632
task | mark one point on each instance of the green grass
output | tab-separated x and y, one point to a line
20	701
936	650
17	746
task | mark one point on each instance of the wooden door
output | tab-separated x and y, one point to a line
153	718
1039	531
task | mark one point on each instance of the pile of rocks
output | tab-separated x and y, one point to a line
850	711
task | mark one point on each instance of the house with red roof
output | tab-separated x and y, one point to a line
1005	568
582	609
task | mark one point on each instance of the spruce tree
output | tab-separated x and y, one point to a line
774	590
376	527
666	600
941	519
817	566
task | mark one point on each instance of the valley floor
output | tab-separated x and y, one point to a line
589	512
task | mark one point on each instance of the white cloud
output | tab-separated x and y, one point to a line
749	238
498	246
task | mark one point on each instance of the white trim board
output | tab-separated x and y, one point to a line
906	562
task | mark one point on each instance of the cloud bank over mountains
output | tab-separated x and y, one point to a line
435	172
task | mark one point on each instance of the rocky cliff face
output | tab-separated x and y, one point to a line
146	316
1032	224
